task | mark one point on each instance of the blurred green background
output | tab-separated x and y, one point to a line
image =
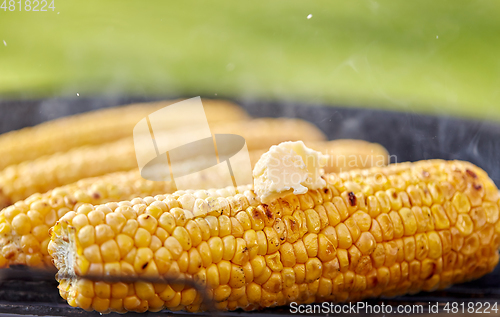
427	56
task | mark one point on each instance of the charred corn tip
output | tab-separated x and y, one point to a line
384	231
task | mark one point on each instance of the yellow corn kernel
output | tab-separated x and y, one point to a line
344	236
216	249
397	224
241	255
21	224
229	243
366	243
311	244
273	241
314	269
409	221
110	251
312	221
464	224
224	225
376	231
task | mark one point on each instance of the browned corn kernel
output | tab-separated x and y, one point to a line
283	254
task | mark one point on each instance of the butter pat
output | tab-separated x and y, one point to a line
289	167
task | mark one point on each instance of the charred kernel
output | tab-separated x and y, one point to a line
256	217
241	255
280	228
252	244
292	229
273	241
300	218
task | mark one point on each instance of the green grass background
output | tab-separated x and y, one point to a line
427	56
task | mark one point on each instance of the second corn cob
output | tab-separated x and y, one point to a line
19	181
93	128
124	185
383	231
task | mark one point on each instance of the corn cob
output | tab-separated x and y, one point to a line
11	250
24	226
382	231
94	127
17	182
345	154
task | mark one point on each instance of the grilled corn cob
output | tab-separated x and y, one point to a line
95	127
382	231
11	250
17	182
24	226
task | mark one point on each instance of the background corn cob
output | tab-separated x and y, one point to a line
383	231
17	182
24	226
94	127
123	185
345	154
